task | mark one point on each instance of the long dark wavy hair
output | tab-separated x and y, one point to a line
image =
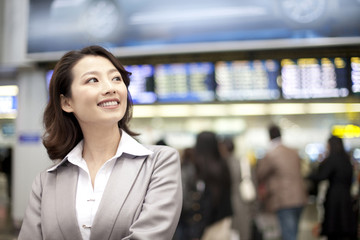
210	166
62	130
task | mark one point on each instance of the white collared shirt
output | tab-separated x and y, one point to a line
88	198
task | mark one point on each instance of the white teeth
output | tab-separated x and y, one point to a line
106	104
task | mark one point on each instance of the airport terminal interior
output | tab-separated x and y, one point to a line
230	67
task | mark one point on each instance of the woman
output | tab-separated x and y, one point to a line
339	220
210	191
105	185
242	207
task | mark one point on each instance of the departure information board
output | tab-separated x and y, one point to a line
141	85
355	74
247	80
185	82
306	78
8	104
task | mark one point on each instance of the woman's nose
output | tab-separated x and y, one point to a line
108	87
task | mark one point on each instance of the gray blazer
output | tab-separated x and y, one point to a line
142	200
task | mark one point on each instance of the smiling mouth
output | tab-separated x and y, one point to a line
108	104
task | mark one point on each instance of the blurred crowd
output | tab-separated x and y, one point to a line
227	197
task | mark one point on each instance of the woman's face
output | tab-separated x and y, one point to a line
98	93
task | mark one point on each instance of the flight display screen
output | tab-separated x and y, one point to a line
8	104
247	80
141	85
355	74
185	82
306	78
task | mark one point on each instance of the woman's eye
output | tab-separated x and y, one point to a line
117	79
92	80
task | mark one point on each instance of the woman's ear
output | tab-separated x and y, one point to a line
65	105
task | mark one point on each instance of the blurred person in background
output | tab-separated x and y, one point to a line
285	193
339	220
209	199
185	229
104	183
4	199
161	142
242	215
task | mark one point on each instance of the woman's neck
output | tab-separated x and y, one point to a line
100	144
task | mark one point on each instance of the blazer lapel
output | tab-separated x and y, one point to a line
118	187
66	184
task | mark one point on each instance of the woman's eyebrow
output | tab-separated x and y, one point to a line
113	70
96	72
89	73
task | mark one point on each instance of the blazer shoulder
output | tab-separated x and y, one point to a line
163	154
162	149
43	175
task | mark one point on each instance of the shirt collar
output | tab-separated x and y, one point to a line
126	145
